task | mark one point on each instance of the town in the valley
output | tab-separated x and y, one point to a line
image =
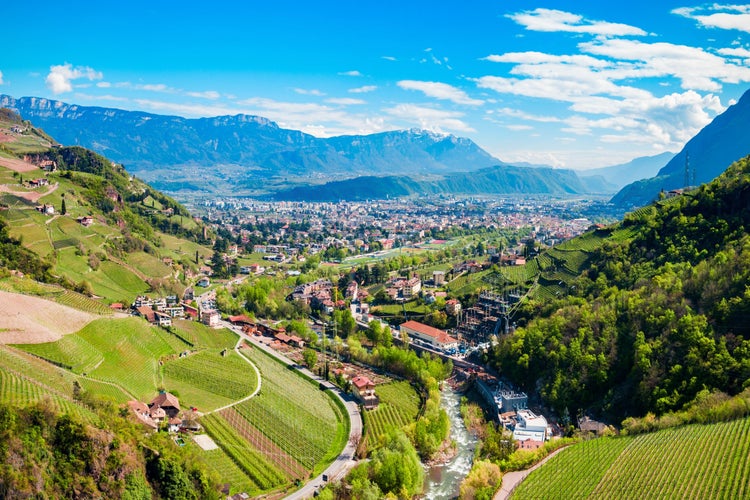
413	251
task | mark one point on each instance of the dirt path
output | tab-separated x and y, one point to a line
32	196
513	479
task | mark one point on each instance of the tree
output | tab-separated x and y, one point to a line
63	208
310	357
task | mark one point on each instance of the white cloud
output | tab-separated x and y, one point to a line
106	97
727	17
388	58
154	87
440	90
517	113
103	85
519	128
696	68
317	119
429	118
550	20
206	94
60	77
736	52
364	89
308	92
350	73
345	101
1	77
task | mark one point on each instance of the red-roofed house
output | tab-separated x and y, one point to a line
143	414
364	390
168	402
436	338
241	320
147	313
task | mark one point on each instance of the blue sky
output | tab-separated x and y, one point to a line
574	84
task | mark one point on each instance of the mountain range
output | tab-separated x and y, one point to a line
247	155
253	156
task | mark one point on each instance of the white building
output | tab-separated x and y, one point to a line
530	426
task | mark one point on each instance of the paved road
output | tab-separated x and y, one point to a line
345	461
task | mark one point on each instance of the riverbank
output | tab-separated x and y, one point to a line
443	477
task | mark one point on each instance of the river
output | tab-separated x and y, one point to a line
442	481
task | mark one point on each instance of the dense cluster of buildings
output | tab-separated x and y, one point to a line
283	231
162	310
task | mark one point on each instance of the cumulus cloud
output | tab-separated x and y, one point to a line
350	73
436	120
697	68
364	89
551	20
727	17
60	77
736	52
1	77
440	90
103	85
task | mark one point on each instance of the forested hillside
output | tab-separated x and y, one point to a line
655	318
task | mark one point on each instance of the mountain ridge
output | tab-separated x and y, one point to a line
253	144
723	141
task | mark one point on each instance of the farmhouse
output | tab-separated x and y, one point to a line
364	391
166	401
143	414
85	221
434	337
147	313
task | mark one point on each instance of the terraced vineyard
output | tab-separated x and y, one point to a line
692	461
200	335
399	406
25	379
262	475
229	472
294	414
209	380
124	351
